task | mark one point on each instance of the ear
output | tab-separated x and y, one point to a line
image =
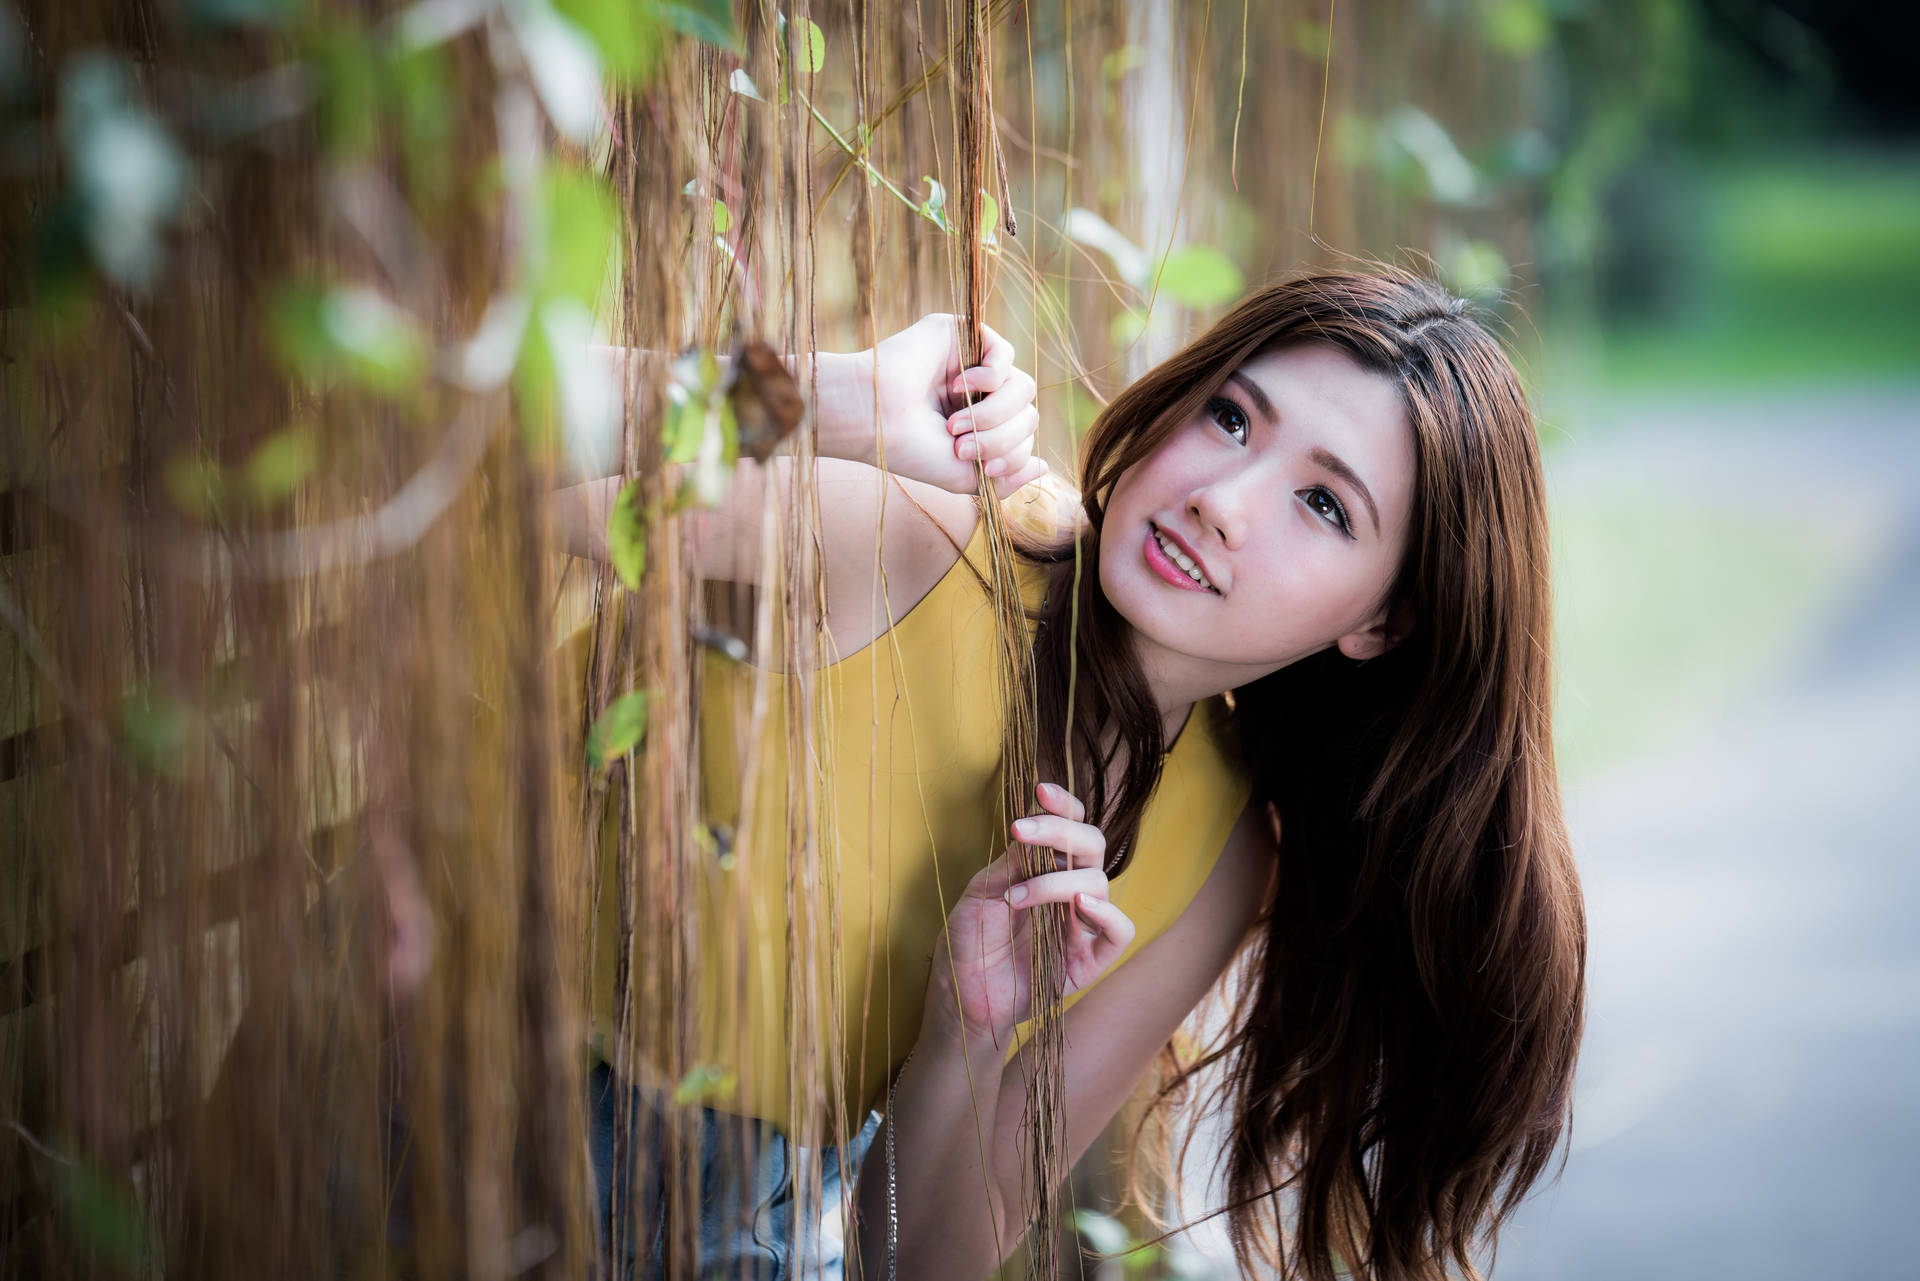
1381	633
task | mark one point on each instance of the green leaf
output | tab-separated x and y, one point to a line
704	1083
708	20
690	395
1103	1232
102	1216
722	217
351	332
423	103
1122	60
565	63
712	471
349	85
627	34
934	207
196	485
1090	229
813	51
281	463
686	421
989	219
128	176
582	220
154	727
536	377
1517	27
1312	38
1475	268
627	537
589	389
1200	276
1128	327
742	83
382	349
1450	176
619	729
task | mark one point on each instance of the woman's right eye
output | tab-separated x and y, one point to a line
1229	418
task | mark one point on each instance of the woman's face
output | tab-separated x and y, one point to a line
1290	493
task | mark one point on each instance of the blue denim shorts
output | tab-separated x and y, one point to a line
750	1177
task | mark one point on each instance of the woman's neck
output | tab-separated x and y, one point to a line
1174	687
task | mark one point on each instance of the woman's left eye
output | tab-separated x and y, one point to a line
1323	501
1229	418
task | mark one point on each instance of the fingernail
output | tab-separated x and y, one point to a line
1049	788
1023	828
969	448
997	466
1018	894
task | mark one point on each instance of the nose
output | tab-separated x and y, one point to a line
1224	506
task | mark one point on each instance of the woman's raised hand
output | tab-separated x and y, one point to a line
935	416
981	969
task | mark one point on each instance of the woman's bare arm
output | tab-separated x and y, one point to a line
955	1223
904	402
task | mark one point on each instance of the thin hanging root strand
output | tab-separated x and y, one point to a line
1044	1051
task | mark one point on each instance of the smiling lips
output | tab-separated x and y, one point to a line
1171	561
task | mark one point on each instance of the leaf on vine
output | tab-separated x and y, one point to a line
153	727
582	218
565	64
103	1215
196	484
619	729
627	35
1128	327
707	20
934	207
282	461
1475	268
742	83
1090	229
627	537
1200	276
1103	1232
813	52
350	331
704	1083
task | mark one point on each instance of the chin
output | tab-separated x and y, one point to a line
1139	597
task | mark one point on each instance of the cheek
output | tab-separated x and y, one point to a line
1313	587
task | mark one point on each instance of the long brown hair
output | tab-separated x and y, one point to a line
1400	1062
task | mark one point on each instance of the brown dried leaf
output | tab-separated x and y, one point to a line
767	404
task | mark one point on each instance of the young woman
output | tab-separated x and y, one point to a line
1329	508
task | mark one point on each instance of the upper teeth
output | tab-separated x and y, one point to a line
1181	559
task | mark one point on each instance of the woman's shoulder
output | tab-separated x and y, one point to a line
1043	513
922	533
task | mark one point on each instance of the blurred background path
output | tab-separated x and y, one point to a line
1747	1105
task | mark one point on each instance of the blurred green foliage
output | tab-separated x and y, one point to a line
1794	269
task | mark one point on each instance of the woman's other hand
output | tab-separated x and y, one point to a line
981	983
935	417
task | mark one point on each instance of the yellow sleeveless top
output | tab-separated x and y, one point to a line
906	764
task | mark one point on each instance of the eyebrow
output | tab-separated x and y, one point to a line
1258	397
1333	463
1327	459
